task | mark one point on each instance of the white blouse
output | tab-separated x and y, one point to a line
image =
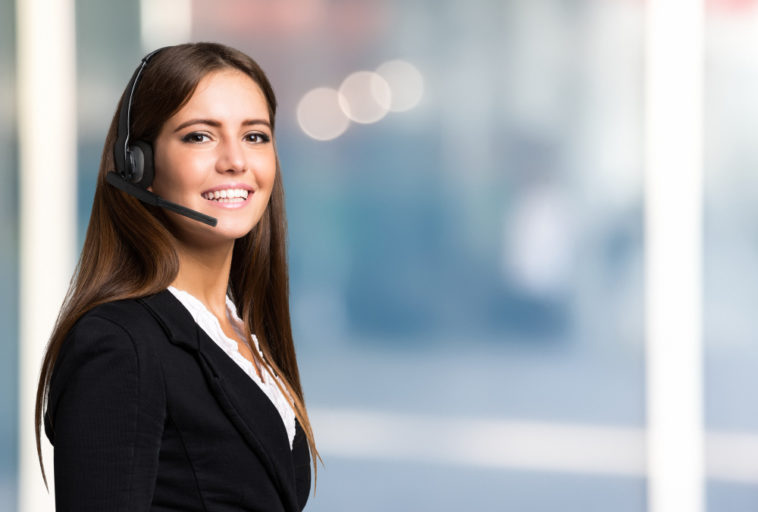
212	328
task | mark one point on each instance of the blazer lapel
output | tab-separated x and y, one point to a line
245	404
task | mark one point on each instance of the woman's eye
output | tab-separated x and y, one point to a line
195	137
257	137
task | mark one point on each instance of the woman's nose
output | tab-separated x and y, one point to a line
231	157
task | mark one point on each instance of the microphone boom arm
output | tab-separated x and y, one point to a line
148	197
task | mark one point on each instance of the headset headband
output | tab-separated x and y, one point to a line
123	131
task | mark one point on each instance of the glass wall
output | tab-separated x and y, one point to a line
8	258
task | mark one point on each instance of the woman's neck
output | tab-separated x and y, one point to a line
204	273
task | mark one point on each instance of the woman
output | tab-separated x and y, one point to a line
170	380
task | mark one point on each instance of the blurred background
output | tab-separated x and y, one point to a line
466	244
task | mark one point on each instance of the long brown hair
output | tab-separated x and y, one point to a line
128	252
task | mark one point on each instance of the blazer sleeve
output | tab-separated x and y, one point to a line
105	418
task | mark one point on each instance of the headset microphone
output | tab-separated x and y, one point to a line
150	198
134	162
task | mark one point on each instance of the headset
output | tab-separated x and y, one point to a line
133	160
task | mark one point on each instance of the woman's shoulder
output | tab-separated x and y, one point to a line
120	325
123	314
116	310
113	336
105	349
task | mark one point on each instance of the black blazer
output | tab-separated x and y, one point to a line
146	412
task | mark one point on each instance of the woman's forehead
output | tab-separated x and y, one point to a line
227	94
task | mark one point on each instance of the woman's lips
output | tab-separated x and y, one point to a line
233	197
226	193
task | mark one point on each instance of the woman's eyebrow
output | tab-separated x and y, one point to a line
216	124
249	122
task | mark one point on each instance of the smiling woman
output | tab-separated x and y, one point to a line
170	381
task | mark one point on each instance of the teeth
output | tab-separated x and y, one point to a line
223	195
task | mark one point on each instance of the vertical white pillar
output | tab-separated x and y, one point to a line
673	254
46	48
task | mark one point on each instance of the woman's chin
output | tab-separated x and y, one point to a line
193	232
231	229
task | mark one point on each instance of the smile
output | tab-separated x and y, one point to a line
228	195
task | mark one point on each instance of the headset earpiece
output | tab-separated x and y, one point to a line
133	159
140	162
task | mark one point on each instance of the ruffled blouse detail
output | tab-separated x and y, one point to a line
209	323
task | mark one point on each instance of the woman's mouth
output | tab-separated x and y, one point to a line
227	195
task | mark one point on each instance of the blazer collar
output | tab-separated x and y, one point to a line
176	321
246	405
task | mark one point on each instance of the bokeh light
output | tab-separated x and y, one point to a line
365	97
319	114
406	84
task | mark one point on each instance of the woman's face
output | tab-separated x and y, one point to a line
216	155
